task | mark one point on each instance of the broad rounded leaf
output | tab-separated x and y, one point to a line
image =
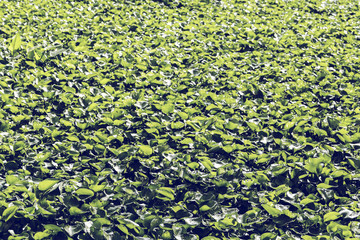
11	179
331	216
85	192
145	150
167	108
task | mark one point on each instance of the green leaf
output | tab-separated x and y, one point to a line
313	165
354	162
227	148
47	184
12	180
155	223
289	125
231	126
306	201
31	64
26	237
177	125
184	116
9	213
41	235
339	173
42	156
271	210
145	150
205	208
324	185
102	221
75	211
19	145
123	229
307	237
166	192
210	238
55	229
15	43
73	138
97	188
207	164
193	165
166	235
221	183
92	107
84	192
229	221
211	106
268	236
167	108
333	123
262	160
253	126
187	141
331	216
65	123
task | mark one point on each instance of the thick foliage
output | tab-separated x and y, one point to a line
179	119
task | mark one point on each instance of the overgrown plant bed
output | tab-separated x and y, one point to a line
179	119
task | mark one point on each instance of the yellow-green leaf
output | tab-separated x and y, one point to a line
123	229
193	165
187	141
167	192
9	213
92	107
75	211
331	216
210	238
324	185
97	188
167	108
11	179
207	164
306	201
205	208
84	192
15	43
227	148
145	150
271	210
183	115
73	138
41	235
47	184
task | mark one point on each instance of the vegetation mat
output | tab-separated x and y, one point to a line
179	119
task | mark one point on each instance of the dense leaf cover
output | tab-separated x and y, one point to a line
179	119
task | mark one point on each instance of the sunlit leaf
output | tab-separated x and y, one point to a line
15	43
331	216
9	213
47	184
145	150
75	211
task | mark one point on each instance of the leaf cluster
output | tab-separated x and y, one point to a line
179	119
